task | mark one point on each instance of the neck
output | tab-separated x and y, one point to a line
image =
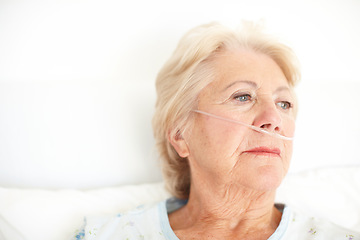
232	208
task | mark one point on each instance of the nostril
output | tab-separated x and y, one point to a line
265	126
268	118
270	127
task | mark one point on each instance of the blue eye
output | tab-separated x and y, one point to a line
243	97
284	105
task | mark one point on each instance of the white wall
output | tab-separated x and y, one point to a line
77	83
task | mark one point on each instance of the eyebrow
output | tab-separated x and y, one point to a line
252	84
283	88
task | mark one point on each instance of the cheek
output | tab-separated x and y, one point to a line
288	145
213	141
288	148
289	126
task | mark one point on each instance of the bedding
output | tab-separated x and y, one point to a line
152	222
40	214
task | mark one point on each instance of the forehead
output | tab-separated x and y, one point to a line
242	65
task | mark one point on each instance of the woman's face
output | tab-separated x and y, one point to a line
251	88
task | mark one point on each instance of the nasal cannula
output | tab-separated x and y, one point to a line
258	129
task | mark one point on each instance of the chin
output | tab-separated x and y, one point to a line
267	178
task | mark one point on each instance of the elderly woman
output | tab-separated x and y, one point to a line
224	122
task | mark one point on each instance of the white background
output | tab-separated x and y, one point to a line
77	83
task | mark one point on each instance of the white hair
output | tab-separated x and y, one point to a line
188	71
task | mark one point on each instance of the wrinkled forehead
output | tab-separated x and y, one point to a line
245	69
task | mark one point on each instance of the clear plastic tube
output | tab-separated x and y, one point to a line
261	130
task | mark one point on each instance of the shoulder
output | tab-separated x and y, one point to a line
307	227
142	222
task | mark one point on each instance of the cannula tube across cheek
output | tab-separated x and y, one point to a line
261	130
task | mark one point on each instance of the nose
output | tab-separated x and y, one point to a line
268	118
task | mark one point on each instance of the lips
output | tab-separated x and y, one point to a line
264	151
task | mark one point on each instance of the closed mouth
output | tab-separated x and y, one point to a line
264	151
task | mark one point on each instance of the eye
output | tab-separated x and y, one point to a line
243	97
284	105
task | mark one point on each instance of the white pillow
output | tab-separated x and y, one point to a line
330	193
35	214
